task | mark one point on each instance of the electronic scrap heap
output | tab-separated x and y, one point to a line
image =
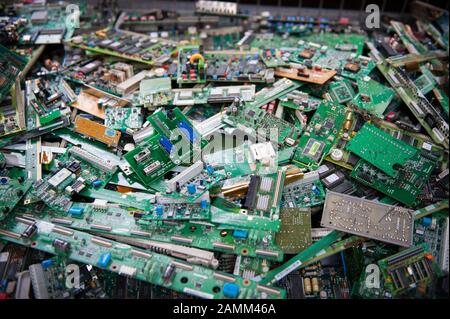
217	153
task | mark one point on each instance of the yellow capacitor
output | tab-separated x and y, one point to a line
315	285
348	121
307	286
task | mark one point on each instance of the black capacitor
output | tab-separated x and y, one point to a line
61	245
168	272
29	231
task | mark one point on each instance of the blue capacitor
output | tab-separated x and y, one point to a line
426	221
159	210
104	260
240	233
210	169
204	204
315	190
97	183
4	180
47	263
192	189
230	290
76	211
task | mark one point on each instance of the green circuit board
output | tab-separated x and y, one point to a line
433	231
417	103
320	135
138	48
306	192
46	24
11	192
340	41
345	63
341	91
258	123
237	66
191	66
71	176
260	209
381	149
175	142
405	186
372	96
129	223
406	269
126	260
11	65
299	100
150	161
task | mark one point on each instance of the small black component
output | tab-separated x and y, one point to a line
74	167
29	231
250	199
61	245
325	170
353	159
333	180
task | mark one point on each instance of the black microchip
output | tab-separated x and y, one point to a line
74	167
352	159
328	124
333	180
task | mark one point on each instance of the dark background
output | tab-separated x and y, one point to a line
286	7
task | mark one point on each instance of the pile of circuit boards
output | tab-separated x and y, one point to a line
221	154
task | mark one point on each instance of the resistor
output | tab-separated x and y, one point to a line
307	286
315	285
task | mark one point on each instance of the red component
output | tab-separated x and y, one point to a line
3	295
344	20
391	117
